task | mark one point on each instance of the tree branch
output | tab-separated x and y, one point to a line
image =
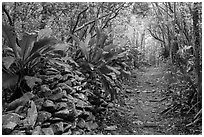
7	14
78	17
109	20
154	36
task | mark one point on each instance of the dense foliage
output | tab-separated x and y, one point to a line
85	51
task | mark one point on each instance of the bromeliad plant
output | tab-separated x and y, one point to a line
101	63
22	58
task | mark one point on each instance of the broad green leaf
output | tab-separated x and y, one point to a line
84	50
87	39
98	34
31	81
39	45
97	56
102	40
9	80
109	47
108	55
108	85
61	46
44	33
61	49
26	44
9	33
7	61
82	45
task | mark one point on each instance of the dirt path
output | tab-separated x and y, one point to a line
145	102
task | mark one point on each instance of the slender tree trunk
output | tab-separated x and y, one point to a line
197	47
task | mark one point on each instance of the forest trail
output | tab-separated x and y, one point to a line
149	87
144	102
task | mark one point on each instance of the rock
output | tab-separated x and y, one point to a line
78	112
84	115
46	124
91	117
64	100
32	115
82	104
57	128
39	103
68	114
81	96
19	110
37	131
18	132
78	132
64	86
110	128
9	122
69	132
55	119
90	125
53	84
20	102
57	90
57	96
81	123
61	105
43	116
87	116
49	106
67	126
45	91
47	131
74	123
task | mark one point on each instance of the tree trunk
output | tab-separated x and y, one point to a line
197	48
